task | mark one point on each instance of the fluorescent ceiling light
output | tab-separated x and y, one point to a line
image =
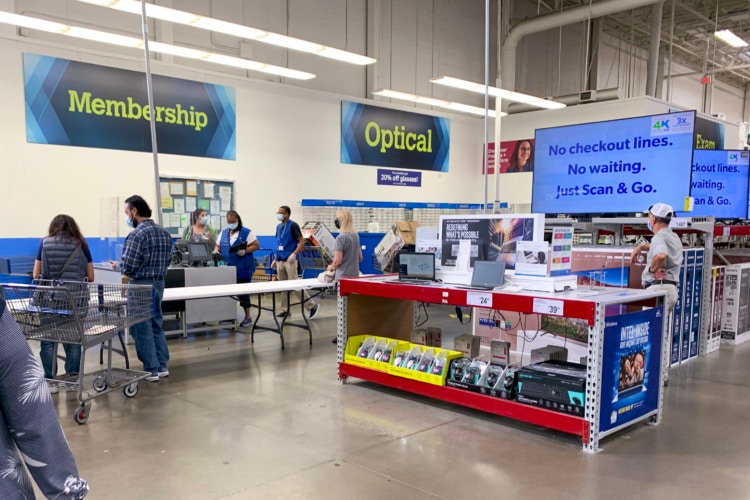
229	28
31	23
508	95
730	38
439	103
137	43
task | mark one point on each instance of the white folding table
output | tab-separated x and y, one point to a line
258	290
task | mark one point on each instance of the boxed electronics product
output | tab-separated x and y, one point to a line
467	344
499	352
372	352
407	229
468	374
419	336
735	325
717	297
554	385
549	352
434	337
318	235
423	363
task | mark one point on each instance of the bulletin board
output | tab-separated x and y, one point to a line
181	195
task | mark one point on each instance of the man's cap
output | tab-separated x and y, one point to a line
661	210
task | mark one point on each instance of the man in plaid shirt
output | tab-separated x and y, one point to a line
145	258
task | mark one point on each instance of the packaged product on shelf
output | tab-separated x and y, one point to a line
434	337
425	362
419	336
412	360
400	358
366	348
494	376
458	369
438	366
377	351
385	356
467	344
475	371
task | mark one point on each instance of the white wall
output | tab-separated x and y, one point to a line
288	147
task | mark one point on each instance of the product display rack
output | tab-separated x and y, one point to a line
705	225
373	307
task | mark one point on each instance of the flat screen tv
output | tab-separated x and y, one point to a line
720	183
619	166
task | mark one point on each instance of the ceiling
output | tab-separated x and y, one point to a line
692	41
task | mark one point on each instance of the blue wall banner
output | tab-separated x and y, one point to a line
78	104
630	367
371	135
399	178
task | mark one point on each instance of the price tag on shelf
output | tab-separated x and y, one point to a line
726	231
546	306
479	299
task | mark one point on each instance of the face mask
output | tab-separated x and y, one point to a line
279	217
337	223
233	226
204	220
129	222
650	227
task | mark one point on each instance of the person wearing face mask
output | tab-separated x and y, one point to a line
522	159
347	253
145	258
291	243
200	231
663	260
240	239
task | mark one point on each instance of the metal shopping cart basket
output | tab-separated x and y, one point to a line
85	314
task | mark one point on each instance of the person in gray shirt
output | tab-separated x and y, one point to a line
347	253
664	256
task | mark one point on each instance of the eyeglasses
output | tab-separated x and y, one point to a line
525	149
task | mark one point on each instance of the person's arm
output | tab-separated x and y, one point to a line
658	262
37	272
338	258
253	246
300	247
637	251
90	272
360	254
131	256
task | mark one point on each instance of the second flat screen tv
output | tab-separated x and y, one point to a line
720	183
619	166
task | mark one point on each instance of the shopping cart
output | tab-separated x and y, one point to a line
85	314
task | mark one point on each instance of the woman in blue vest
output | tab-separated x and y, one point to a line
237	244
63	255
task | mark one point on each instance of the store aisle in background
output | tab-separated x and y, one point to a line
240	421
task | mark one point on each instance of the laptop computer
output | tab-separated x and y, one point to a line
416	267
487	274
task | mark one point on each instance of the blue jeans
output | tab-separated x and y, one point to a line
48	352
150	341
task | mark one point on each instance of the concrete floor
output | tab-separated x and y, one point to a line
242	421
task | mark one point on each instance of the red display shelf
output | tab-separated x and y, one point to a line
517	411
519	302
732	230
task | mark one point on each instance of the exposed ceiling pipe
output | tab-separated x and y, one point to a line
507	76
653	50
570	99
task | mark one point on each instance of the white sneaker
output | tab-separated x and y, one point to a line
164	373
153	378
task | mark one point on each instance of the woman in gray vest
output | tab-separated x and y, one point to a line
63	255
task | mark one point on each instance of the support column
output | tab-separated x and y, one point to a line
653	52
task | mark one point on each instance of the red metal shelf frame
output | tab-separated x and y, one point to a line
578	309
503	407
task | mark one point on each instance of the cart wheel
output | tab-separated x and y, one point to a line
100	384
130	390
81	415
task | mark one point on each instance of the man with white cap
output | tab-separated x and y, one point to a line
663	260
664	256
